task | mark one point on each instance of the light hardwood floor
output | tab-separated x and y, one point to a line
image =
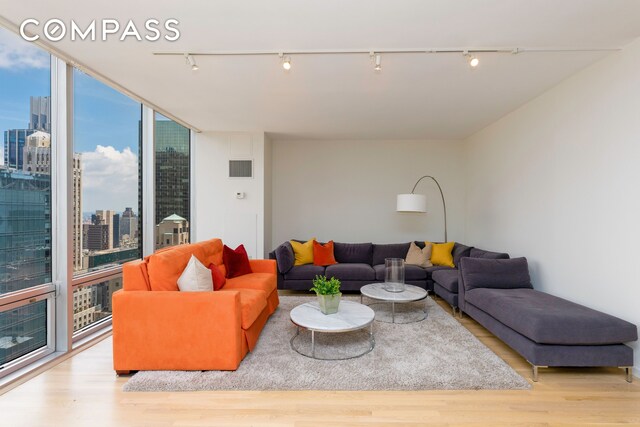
84	391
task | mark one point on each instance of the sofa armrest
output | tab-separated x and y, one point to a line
263	266
168	330
135	276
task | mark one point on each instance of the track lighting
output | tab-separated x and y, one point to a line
376	56
377	60
192	62
286	62
472	59
378	66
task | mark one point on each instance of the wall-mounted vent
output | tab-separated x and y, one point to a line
240	168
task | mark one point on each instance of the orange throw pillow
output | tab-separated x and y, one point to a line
323	254
218	277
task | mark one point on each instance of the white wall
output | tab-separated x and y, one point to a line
218	213
557	181
346	190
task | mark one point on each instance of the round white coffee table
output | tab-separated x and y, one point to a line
351	316
411	293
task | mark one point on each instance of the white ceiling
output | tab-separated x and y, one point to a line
414	97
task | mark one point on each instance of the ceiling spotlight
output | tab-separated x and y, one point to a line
472	59
191	61
378	66
286	62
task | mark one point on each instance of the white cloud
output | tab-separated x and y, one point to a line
109	179
16	53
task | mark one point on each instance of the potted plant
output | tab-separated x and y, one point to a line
328	291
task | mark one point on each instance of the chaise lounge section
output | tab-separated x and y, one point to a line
546	330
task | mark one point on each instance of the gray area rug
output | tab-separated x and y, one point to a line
435	354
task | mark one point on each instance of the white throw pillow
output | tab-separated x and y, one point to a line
195	277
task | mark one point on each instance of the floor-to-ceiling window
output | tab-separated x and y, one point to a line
26	291
172	183
71	198
106	217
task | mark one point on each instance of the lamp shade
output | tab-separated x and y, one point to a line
411	203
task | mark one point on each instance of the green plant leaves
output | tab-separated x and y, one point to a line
324	286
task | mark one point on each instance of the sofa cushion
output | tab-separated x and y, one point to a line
361	253
434	268
165	266
236	261
195	277
266	282
303	252
351	271
212	251
495	273
284	257
323	253
252	303
411	273
217	276
481	253
448	279
393	250
460	251
441	253
419	256
304	272
547	319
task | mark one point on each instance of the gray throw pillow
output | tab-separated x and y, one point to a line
495	273
285	257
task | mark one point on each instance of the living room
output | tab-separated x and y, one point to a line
307	121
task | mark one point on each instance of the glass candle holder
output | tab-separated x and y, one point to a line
394	274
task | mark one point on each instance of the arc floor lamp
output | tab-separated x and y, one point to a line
418	202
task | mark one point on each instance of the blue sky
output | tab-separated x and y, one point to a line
105	123
16	85
102	115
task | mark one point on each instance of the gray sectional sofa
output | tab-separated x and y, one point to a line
362	263
546	330
494	290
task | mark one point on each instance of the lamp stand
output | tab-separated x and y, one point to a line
444	204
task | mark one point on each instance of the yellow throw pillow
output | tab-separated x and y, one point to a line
441	253
303	252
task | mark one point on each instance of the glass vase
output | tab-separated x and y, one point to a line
394	274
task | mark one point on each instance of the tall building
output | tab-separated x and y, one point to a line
39	119
128	224
115	229
14	142
93	303
23	330
173	230
104	216
77	212
96	236
25	230
172	169
37	153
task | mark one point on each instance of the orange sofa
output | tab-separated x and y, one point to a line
157	327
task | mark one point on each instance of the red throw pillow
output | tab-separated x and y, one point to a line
323	254
236	261
218	278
